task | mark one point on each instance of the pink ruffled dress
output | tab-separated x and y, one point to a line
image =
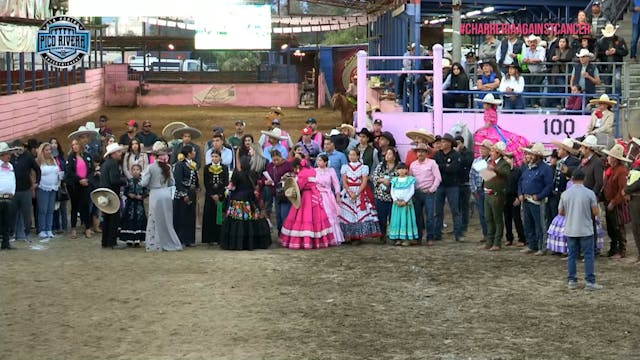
495	133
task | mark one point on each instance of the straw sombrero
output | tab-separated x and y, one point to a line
106	200
421	134
277	110
537	149
5	148
275	133
421	146
487	144
617	151
159	148
591	141
195	133
167	131
489	99
352	130
292	191
501	148
566	144
603	99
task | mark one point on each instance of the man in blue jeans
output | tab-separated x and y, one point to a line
579	206
476	185
533	189
449	163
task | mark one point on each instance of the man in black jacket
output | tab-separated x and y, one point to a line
449	163
565	165
23	163
111	177
466	160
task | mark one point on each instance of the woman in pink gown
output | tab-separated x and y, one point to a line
306	227
494	133
329	187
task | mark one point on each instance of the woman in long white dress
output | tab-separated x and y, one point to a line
159	179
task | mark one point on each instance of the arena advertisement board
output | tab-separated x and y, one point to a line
63	41
234	27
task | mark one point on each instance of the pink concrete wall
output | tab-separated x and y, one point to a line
38	111
284	95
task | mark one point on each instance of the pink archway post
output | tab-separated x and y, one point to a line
362	72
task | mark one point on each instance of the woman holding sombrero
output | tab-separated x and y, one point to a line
602	120
494	133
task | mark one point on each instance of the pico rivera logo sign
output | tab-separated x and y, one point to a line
527	28
63	41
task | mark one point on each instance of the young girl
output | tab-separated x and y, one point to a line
329	187
358	216
216	179
403	227
134	219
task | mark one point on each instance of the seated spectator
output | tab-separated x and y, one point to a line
574	102
602	119
512	86
456	80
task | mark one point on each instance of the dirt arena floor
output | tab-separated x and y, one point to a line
73	300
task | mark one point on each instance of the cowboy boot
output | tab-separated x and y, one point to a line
96	225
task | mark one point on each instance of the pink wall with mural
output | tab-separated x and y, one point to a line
38	111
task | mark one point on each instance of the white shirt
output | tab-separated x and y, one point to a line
538	54
511	82
50	178
226	157
508	60
7	179
402	194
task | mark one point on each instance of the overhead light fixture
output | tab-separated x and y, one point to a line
488	9
473	13
428	22
171	47
284	47
447	30
437	21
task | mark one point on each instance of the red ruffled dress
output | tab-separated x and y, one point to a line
307	227
495	133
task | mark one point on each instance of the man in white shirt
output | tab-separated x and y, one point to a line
534	56
509	50
7	190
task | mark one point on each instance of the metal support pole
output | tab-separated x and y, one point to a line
437	84
33	71
9	63
361	83
456	38
414	34
101	62
21	74
45	73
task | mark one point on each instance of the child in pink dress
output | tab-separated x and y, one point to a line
306	227
329	187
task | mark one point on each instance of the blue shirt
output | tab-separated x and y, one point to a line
281	149
536	180
336	160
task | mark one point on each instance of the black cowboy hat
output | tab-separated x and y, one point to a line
389	136
448	137
367	133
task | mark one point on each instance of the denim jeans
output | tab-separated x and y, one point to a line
533	225
384	214
464	198
424	205
635	35
513	104
46	203
60	221
21	217
452	194
480	208
575	245
282	210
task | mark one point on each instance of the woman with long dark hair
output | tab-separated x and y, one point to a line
62	198
79	168
244	150
135	156
245	226
216	179
456	80
158	178
382	175
185	173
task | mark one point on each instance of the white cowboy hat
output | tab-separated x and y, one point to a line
609	30
501	147
489	99
532	37
537	149
421	134
604	98
446	63
487	144
275	133
583	53
4	148
195	133
617	151
159	148
333	132
566	144
106	200
91	126
635	140
167	131
111	148
82	130
292	191
591	141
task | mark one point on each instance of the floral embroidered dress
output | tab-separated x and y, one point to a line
403	225
358	218
328	185
134	219
307	227
495	133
